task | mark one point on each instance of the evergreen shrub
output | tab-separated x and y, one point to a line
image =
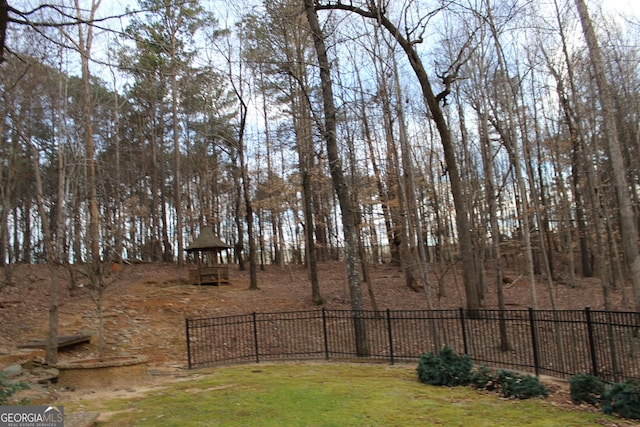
520	386
447	368
484	378
623	399
585	388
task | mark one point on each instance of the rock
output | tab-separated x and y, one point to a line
52	371
12	370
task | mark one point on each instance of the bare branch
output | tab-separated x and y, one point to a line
67	18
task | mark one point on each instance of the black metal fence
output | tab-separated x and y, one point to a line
556	343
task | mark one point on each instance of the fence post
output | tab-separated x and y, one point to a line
324	331
390	334
255	337
592	343
464	332
534	341
188	344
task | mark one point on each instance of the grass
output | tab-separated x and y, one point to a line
300	394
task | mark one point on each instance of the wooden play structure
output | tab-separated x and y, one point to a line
206	250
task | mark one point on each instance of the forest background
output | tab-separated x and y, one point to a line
439	136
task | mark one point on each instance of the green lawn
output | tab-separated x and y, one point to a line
332	394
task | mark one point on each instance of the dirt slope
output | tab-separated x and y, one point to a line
146	304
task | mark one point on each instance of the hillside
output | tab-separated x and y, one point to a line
146	304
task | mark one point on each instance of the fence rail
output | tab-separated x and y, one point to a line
557	343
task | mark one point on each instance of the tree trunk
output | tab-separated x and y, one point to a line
7	190
627	215
472	287
177	197
414	221
89	147
304	137
253	273
507	134
94	268
397	235
488	166
339	183
541	217
576	143
382	193
238	247
248	206
302	122
52	337
119	222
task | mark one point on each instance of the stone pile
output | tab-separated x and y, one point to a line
29	370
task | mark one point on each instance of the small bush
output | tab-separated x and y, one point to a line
623	399
520	386
450	369
446	368
8	388
484	378
585	388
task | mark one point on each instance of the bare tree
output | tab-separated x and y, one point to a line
339	182
281	45
627	214
239	84
432	101
49	250
505	97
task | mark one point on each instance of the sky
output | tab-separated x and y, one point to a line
630	8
